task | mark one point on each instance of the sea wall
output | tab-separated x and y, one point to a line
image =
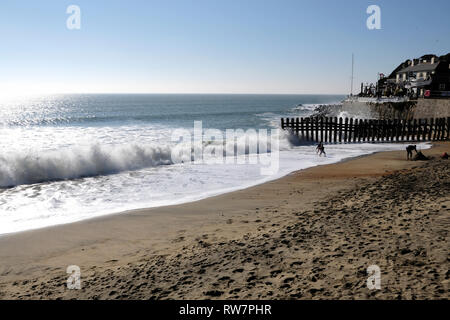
420	109
432	108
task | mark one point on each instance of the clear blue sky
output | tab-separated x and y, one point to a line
211	46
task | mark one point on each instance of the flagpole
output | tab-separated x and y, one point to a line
353	62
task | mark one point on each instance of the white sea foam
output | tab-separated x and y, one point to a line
39	205
36	166
72	163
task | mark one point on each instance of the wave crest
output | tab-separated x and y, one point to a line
73	163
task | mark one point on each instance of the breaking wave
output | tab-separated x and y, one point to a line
73	163
30	167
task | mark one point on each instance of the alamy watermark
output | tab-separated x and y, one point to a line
74	280
234	146
73	22
374	279
374	20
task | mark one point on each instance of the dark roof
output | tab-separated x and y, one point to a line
428	56
420	67
400	67
445	57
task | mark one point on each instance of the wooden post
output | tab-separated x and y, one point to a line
317	128
430	132
321	129
393	126
425	129
350	131
330	129
414	129
444	129
340	129
369	130
435	129
394	130
375	130
307	128
448	128
302	129
388	130
360	125
363	124
297	125
366	130
434	133
382	129
345	129
372	130
439	128
335	129
393	123
403	123
397	129
408	138
419	129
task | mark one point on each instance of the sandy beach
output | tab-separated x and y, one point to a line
309	235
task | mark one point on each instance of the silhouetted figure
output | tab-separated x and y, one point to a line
409	150
320	149
420	157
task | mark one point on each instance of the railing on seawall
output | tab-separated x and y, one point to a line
345	130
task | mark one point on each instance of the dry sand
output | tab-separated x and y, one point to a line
310	235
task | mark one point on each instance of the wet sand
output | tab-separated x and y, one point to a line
310	235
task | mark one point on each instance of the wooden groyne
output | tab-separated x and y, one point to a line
345	130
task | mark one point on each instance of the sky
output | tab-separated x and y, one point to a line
211	46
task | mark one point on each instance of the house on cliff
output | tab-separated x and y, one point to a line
427	76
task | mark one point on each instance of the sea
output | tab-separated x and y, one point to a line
66	158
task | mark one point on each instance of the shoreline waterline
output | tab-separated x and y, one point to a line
208	195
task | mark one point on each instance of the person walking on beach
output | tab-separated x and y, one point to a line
409	150
321	149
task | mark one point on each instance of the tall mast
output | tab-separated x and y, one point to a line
353	62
